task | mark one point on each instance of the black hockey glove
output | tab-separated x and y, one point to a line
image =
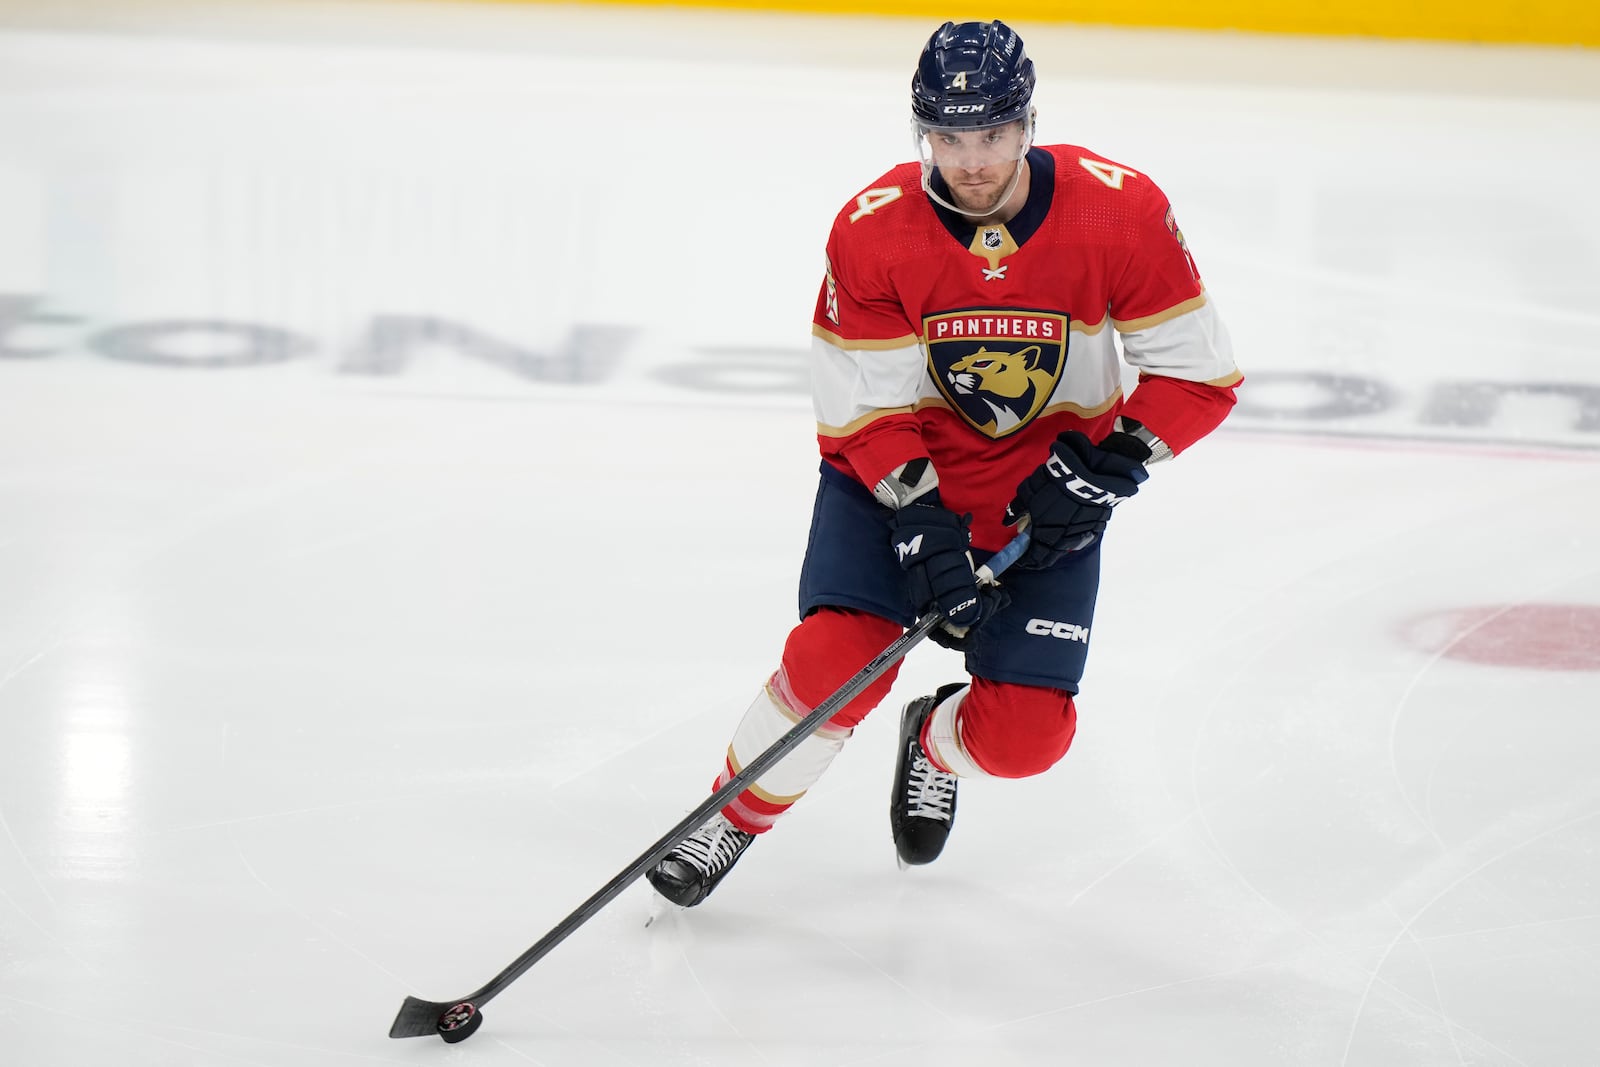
1069	498
991	598
931	543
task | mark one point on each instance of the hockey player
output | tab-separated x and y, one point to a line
965	379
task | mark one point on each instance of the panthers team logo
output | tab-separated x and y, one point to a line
998	369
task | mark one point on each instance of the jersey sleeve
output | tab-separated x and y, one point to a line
1171	333
867	370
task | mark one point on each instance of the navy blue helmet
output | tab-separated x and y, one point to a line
972	74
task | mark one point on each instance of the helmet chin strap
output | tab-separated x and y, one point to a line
928	168
1011	188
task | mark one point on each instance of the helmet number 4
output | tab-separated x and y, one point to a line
959	81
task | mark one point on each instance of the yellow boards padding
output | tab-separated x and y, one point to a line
1527	22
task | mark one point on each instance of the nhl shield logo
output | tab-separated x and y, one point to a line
997	369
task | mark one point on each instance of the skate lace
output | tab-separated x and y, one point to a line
713	846
929	791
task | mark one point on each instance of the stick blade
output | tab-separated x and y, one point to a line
418	1018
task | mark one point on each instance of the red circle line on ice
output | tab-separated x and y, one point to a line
1549	637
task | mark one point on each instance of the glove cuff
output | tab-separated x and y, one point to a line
1133	439
914	481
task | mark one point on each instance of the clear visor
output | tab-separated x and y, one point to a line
967	149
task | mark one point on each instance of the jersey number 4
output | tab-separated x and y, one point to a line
873	199
1109	173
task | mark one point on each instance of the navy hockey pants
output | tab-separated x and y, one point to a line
1041	638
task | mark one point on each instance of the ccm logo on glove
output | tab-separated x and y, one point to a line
1071	483
1070	496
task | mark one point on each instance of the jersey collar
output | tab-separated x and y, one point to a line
1041	193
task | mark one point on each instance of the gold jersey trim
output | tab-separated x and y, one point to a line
1135	325
1227	381
1049	409
862	344
1082	411
824	430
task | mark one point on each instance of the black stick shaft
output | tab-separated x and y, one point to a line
413	1009
710	806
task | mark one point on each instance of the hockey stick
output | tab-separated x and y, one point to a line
457	1020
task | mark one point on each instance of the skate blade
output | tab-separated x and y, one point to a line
660	908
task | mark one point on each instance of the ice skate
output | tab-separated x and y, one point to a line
922	808
689	873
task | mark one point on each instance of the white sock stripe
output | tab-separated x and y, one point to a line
944	739
759	787
763	725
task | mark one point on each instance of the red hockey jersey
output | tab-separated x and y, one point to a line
976	346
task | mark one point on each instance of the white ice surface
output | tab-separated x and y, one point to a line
320	687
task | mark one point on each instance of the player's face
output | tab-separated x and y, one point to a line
977	165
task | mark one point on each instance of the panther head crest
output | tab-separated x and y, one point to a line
1012	384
